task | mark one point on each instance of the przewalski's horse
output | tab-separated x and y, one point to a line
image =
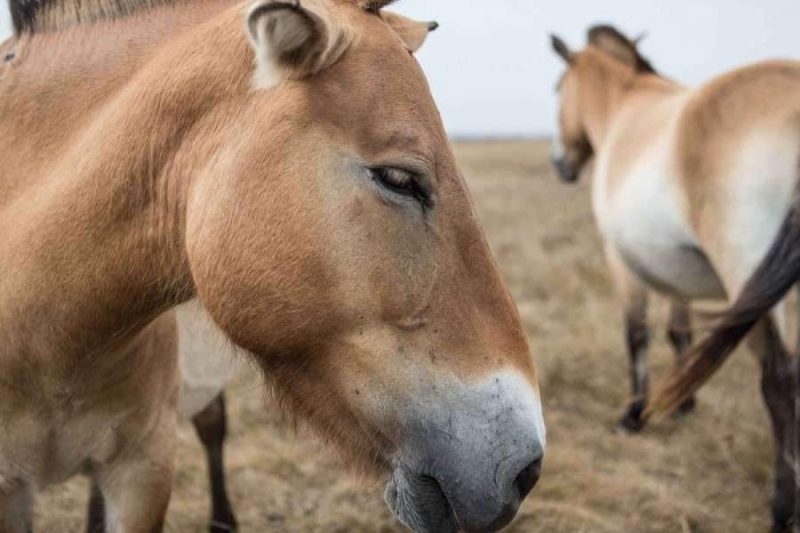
286	165
690	187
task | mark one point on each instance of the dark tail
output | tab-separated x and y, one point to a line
776	275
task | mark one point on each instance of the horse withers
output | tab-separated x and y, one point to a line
690	188
285	164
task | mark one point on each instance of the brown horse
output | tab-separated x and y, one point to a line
286	165
690	187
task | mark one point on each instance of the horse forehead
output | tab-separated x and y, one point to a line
379	93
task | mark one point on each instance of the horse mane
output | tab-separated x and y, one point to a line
37	16
619	46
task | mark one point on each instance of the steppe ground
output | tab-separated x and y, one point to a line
710	472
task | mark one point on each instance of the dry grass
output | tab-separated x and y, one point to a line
708	473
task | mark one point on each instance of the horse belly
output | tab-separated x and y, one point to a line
676	269
644	221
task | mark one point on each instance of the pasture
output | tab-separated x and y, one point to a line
710	472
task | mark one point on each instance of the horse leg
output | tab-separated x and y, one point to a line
136	486
680	337
633	295
96	515
211	426
16	509
778	388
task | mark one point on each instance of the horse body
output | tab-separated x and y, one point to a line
641	211
691	188
286	166
694	206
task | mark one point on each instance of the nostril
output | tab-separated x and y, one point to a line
528	478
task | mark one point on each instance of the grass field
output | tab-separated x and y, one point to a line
709	472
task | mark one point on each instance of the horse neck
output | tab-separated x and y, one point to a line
608	87
104	235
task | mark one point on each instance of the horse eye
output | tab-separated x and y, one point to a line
400	182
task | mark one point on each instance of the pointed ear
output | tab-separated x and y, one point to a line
294	40
411	32
561	49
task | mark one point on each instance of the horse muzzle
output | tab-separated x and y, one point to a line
567	172
472	463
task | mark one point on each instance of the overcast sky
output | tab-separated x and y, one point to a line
493	74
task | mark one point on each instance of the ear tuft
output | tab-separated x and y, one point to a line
411	32
294	39
561	49
617	45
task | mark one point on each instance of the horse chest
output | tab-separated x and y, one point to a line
642	218
40	449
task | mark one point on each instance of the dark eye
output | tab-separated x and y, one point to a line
401	182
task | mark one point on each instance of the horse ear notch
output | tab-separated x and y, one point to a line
561	49
413	33
294	39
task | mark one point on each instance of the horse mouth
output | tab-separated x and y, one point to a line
419	502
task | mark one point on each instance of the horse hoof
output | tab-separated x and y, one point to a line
783	520
687	406
631	424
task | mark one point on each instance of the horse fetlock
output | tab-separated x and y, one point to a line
633	421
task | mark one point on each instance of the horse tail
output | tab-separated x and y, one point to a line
774	277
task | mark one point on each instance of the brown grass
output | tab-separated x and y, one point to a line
710	472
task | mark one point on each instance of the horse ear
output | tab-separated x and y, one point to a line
561	48
614	43
411	32
292	39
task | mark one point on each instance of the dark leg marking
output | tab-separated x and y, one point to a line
680	336
96	519
778	388
638	338
211	425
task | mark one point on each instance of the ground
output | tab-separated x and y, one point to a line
709	472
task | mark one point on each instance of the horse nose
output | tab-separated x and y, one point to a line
518	489
528	478
566	172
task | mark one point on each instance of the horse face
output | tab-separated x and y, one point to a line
334	238
571	147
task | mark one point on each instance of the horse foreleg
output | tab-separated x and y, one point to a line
16	509
136	486
633	296
96	515
211	425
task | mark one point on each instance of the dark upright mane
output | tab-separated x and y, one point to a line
32	16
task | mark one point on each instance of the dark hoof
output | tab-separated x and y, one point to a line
781	528
633	422
687	407
783	518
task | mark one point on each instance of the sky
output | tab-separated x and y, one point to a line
493	75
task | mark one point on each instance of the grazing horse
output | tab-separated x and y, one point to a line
283	163
690	188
